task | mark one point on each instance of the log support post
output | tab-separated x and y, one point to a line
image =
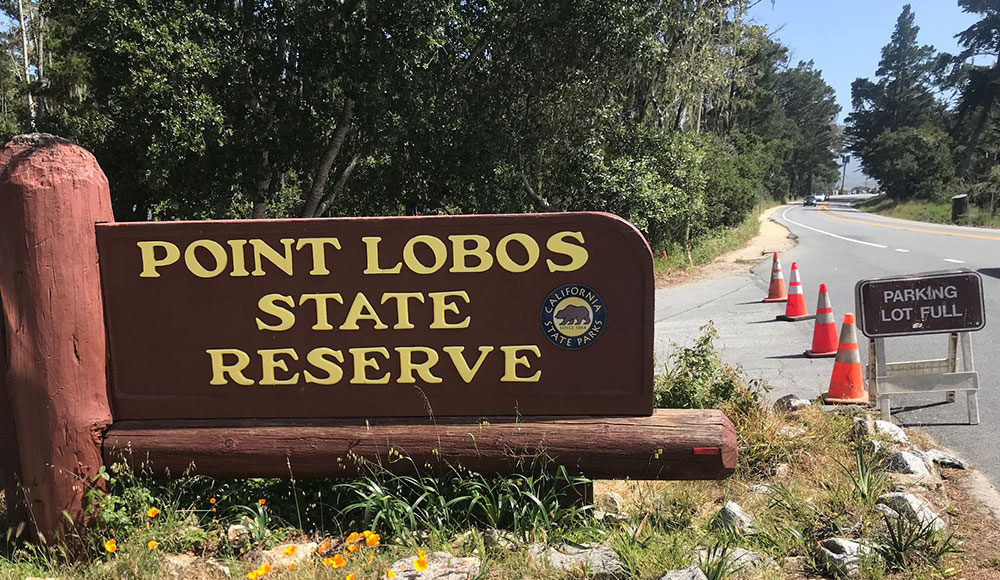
53	387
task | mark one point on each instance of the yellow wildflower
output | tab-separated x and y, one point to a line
152	512
373	540
152	544
390	574
349	577
353	548
110	546
420	564
289	550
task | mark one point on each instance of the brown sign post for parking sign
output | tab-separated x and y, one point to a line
259	348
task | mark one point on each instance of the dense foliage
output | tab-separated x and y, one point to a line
679	116
926	128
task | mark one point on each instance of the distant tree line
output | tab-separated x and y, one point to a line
676	114
927	126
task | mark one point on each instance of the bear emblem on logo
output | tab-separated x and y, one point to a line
573	316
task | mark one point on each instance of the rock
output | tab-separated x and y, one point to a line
609	517
191	566
793	563
609	501
440	566
905	462
886	511
840	556
792	431
502	539
740	558
945	459
284	555
791	403
238	536
760	489
781	470
890	430
600	561
692	573
737	517
910	507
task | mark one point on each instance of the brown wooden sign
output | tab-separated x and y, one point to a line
378	317
932	303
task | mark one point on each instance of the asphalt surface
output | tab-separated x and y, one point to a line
839	246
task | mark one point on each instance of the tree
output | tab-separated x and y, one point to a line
901	106
980	85
912	162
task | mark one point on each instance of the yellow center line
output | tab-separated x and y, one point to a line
830	214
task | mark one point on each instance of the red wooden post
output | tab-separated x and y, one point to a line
53	385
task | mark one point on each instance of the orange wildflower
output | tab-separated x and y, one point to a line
390	574
338	561
353	548
328	561
373	540
152	545
292	566
371	556
420	564
152	512
325	545
213	509
353	538
211	501
110	546
349	577
289	550
261	501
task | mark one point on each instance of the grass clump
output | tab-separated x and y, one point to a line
930	211
708	247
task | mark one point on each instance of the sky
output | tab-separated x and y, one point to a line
845	37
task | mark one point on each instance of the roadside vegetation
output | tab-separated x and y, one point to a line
710	246
804	476
927	211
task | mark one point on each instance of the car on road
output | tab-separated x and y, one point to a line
820	197
809	200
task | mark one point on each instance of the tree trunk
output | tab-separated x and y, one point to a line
322	173
339	186
977	132
26	60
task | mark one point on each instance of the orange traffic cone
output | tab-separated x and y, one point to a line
796	307
777	292
825	330
847	385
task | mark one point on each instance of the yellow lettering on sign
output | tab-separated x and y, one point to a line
321	358
578	255
268	304
322	318
239	258
263	251
362	363
270	362
361	309
437	248
442	307
511	361
235	370
407	366
402	307
218	255
149	260
371	253
508	263
458	360
461	252
318	254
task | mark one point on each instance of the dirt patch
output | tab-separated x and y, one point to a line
773	237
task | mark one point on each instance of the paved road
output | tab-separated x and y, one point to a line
839	246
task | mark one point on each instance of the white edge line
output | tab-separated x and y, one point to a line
785	216
954	261
901	250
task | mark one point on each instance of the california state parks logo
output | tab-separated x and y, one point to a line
573	316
